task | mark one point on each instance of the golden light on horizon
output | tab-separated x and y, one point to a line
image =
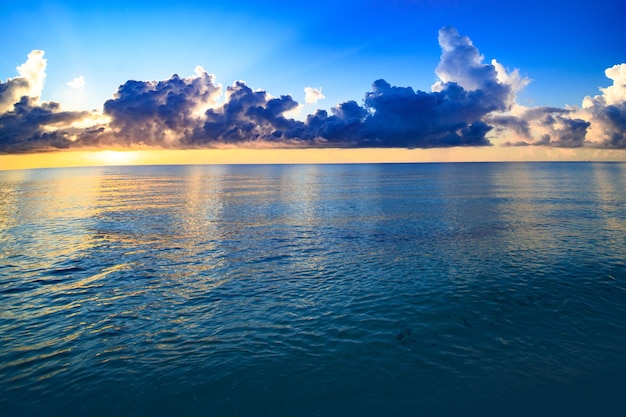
111	157
108	157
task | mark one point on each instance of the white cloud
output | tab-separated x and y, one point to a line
29	82
34	71
607	112
313	95
77	82
614	94
513	79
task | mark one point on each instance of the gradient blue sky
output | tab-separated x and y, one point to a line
283	46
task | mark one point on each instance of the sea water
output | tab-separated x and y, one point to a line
314	290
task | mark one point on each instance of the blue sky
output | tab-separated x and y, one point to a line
341	46
558	49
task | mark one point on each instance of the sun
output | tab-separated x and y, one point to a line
116	157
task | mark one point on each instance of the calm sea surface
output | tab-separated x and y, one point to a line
314	290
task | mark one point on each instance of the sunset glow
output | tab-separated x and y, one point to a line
301	156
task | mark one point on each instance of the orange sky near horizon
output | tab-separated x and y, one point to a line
302	156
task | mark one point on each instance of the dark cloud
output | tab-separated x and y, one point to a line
9	90
613	118
538	113
27	125
246	116
470	101
163	113
451	115
520	126
564	132
159	113
402	117
558	129
344	127
32	127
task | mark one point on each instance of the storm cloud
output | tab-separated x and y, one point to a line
472	103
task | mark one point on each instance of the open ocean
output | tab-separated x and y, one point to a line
492	289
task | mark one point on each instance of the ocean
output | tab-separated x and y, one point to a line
452	289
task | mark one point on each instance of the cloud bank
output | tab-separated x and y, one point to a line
472	103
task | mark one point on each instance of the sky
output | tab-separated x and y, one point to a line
326	81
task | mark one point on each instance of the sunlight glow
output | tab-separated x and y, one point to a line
302	156
116	157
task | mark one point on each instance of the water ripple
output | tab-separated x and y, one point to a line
338	290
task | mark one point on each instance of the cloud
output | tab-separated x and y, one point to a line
247	116
556	129
472	103
513	80
616	93
450	115
77	82
160	113
600	123
608	110
26	125
403	117
28	83
462	63
565	132
31	126
453	113
313	95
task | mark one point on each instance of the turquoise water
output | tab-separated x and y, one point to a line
314	290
